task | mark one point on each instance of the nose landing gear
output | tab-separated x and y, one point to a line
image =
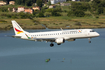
89	40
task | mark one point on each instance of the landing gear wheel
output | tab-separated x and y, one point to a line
89	41
51	45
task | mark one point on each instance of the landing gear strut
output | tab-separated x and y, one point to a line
89	40
51	44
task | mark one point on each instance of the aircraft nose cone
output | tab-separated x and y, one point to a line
97	34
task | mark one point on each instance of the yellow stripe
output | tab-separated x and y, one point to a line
19	32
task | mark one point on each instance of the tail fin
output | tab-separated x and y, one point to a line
17	29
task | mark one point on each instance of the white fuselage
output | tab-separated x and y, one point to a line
65	34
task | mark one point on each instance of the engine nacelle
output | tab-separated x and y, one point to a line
59	40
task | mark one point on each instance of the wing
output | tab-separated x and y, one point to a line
43	39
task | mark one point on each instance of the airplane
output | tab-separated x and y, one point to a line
58	37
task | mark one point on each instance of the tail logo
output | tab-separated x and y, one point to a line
18	31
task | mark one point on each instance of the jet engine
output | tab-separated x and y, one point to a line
59	40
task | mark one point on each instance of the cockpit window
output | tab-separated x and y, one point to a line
92	31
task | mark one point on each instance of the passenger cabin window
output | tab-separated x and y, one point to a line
92	31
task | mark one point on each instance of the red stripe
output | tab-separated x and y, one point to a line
18	30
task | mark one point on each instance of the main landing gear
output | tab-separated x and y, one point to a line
51	45
89	40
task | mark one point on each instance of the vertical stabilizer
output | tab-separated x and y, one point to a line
17	29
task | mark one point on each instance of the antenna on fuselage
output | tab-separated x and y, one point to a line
61	29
